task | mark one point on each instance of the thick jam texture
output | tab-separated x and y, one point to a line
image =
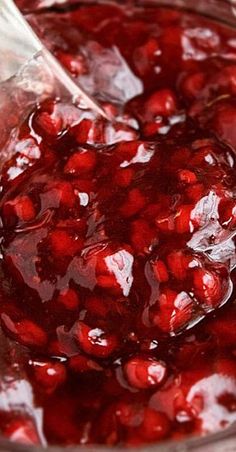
118	239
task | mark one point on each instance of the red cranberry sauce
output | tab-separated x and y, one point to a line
117	240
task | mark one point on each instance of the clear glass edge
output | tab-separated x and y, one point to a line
223	441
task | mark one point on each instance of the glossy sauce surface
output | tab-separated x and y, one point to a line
117	239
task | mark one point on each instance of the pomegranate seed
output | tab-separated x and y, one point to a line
227	213
226	78
123	177
111	110
81	363
187	177
135	202
64	245
223	120
75	64
225	366
129	415
83	132
95	341
223	330
178	263
22	431
116	132
161	103
25	331
48	374
181	155
142	236
69	299
152	128
48	121
160	271
143	373
101	306
125	152
194	84
172	311
155	426
113	269
20	209
107	427
145	56
80	163
183	220
195	192
207	286
165	222
66	194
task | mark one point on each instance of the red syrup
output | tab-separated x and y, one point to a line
118	240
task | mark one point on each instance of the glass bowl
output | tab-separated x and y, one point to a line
222	11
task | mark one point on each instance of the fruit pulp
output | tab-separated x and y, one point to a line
118	239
